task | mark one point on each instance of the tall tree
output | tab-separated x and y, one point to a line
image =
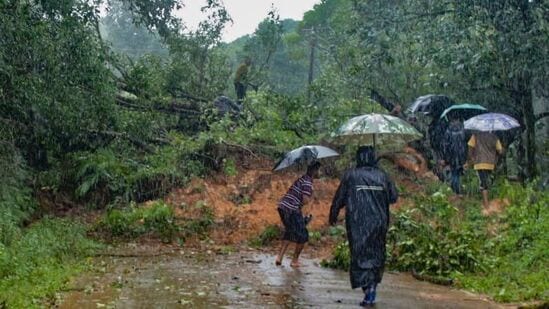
492	51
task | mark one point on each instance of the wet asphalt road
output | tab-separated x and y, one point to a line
183	278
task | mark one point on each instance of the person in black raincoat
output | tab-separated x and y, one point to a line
436	131
455	152
366	193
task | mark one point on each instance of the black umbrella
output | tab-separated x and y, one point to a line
431	104
304	154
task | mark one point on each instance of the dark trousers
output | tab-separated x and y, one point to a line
240	90
484	179
454	180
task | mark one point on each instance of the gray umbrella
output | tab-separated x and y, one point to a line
304	154
430	104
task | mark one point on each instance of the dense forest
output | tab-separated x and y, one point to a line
108	103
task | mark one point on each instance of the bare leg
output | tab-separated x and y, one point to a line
297	252
485	198
280	256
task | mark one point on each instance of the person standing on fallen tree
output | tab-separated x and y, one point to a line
241	80
366	193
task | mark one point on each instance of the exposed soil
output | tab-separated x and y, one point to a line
496	206
245	204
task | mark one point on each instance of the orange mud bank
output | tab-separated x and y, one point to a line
245	204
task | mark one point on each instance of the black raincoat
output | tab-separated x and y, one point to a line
366	193
455	146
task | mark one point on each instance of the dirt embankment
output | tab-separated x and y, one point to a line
245	204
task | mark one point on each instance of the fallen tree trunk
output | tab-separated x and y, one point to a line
174	108
145	145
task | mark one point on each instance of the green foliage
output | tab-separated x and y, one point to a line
201	224
314	237
432	239
270	233
160	219
517	259
106	176
157	219
341	257
40	261
16	204
229	167
336	231
504	256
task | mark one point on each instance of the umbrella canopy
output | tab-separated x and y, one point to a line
465	110
304	154
491	122
430	104
376	129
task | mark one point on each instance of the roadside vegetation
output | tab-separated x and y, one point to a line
503	255
105	105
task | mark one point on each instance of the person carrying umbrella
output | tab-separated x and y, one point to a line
366	193
455	151
289	209
484	148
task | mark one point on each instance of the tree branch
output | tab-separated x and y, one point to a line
541	116
388	105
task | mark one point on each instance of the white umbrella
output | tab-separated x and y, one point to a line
377	130
491	122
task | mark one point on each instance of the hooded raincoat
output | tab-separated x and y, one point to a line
366	193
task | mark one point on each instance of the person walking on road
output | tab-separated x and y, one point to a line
289	209
455	152
484	148
366	193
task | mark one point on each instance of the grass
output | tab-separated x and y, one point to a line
41	261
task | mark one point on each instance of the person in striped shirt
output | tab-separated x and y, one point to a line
289	209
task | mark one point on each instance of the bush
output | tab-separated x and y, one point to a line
111	175
432	239
202	224
270	233
341	257
134	221
122	222
161	220
39	262
314	237
505	255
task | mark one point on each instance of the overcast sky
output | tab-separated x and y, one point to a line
246	14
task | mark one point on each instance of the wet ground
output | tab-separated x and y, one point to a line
159	277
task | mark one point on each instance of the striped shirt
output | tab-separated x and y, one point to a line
293	200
